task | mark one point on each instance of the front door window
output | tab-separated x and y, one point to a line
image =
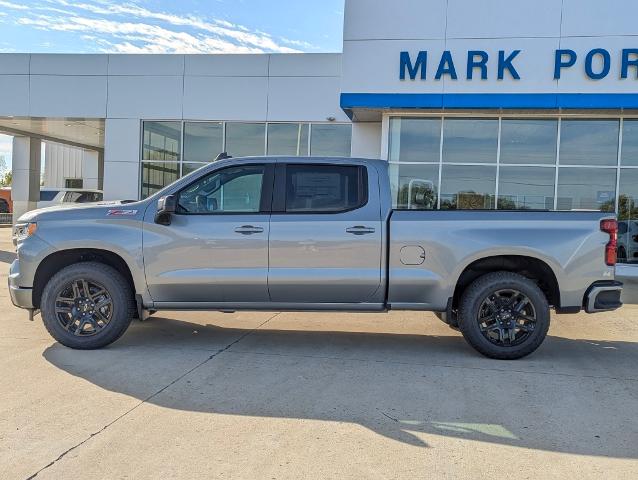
232	190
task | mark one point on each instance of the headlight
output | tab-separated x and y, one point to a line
22	231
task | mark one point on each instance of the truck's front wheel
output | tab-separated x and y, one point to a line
87	305
504	315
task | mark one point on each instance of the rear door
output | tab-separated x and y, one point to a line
325	234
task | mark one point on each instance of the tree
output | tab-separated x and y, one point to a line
5	174
627	208
6	179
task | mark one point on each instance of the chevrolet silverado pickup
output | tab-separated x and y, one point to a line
310	234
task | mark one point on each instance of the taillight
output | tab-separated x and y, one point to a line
611	227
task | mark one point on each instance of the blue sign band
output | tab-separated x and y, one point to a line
350	101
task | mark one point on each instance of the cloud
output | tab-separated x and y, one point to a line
298	43
131	28
141	37
13	6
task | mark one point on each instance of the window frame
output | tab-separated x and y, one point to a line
263	126
186	124
435	185
318	126
280	190
584	114
265	202
305	152
68	182
180	160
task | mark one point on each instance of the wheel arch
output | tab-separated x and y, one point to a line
530	267
60	259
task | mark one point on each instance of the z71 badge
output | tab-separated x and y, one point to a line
120	213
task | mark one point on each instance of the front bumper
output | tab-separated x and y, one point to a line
603	297
20	296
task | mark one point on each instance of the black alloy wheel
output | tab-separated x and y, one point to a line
84	307
87	305
507	317
504	315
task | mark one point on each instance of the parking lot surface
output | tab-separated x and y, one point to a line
316	395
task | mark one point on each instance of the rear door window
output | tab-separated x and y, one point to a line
325	188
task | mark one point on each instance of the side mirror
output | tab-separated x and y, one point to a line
166	207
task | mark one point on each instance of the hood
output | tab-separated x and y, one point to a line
77	211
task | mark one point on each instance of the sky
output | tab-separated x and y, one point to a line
5	151
165	26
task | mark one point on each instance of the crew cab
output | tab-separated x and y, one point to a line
310	234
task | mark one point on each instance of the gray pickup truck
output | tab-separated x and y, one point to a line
310	234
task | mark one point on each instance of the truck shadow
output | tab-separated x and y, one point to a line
573	396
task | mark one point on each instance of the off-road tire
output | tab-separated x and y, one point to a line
123	304
483	287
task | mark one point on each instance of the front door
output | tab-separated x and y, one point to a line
325	234
216	247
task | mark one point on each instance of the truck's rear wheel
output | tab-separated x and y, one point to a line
504	315
87	306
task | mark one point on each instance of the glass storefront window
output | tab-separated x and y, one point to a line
589	142
528	141
587	189
470	140
526	188
415	139
162	141
414	187
467	187
629	143
156	175
245	139
191	167
202	141
288	139
628	216
328	140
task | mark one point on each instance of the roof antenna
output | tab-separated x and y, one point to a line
222	156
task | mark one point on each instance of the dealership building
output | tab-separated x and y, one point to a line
497	104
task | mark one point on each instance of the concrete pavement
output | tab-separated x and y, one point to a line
263	395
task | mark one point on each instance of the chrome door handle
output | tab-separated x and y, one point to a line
248	230
360	230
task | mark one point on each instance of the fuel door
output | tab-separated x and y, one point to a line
412	255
